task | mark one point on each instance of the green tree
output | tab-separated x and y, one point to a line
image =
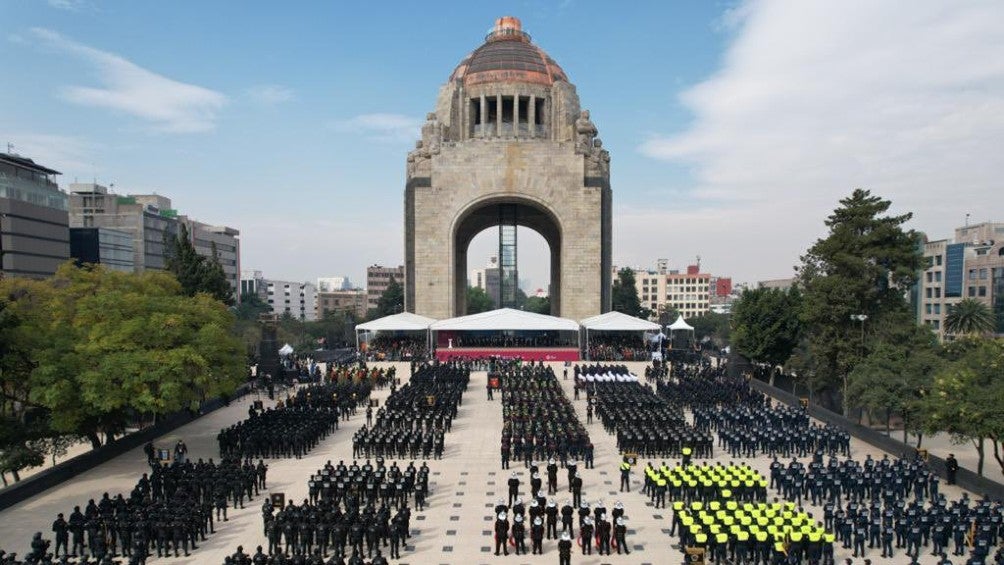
969	317
896	375
195	272
862	267
250	307
538	304
967	398
712	326
107	344
478	300
624	294
766	324
391	301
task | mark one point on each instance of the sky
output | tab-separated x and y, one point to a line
734	127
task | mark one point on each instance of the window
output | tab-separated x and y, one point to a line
937	293
937	276
937	309
927	292
972	291
927	308
937	324
930	277
983	274
937	260
982	291
972	274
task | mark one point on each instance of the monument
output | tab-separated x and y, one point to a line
508	145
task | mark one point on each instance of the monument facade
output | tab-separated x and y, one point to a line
508	145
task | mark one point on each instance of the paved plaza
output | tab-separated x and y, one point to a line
456	526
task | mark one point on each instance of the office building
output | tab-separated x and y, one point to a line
350	301
971	265
34	232
378	279
103	246
662	289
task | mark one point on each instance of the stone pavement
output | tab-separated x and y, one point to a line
456	526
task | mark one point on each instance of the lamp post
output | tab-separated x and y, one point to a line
856	318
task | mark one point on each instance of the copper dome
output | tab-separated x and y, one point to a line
508	55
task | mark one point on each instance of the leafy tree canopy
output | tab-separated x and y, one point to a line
538	304
478	300
767	324
391	301
105	344
862	266
969	317
624	294
195	272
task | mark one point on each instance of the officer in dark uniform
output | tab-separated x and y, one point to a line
620	535
61	529
565	549
537	537
501	534
586	536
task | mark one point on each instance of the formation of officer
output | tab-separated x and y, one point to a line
894	506
353	512
597	529
703	483
169	511
755	533
415	418
296	425
538	421
645	423
751	430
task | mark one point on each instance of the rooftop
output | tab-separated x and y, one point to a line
26	163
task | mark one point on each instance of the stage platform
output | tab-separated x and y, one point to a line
524	353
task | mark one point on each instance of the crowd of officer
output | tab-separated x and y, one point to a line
415	418
540	521
644	423
538	420
296	424
354	512
703	483
892	506
169	511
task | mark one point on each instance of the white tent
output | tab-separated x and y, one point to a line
403	322
506	319
286	350
618	321
680	324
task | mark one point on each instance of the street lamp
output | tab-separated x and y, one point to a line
855	318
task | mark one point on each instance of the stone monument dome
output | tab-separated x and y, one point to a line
508	55
507	146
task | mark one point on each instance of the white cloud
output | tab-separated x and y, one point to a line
168	105
814	99
270	94
67	154
390	128
68	5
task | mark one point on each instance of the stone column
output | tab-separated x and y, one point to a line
498	115
532	118
515	115
484	115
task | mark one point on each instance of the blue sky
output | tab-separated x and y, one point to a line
734	127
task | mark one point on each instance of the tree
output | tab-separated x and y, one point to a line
196	273
107	344
713	326
391	301
250	307
766	324
967	398
969	317
624	294
538	304
896	375
862	267
478	300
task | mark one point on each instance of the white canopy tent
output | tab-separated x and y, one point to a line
286	350
616	322
403	322
680	325
506	319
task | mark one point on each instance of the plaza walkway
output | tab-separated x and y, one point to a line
456	526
